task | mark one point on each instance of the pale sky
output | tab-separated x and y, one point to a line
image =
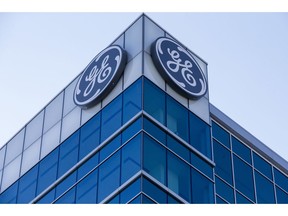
41	53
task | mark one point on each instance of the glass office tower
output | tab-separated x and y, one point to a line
142	142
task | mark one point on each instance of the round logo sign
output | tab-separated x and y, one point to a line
100	76
178	67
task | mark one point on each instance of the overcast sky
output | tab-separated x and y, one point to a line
247	56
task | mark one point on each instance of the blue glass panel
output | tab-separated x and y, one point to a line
177	118
48	198
243	177
282	197
264	189
178	177
65	184
202	165
281	179
68	155
132	100
109	176
137	200
153	191
178	148
90	136
131	130
47	171
241	150
200	135
220	134
68	198
131	191
202	188
222	158
262	166
88	165
240	199
154	101
115	200
27	186
130	160
224	190
154	158
10	194
111	118
154	131
219	200
86	190
110	147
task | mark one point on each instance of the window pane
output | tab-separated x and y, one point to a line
282	197
202	165
220	134
90	136
154	131
154	159
222	158
87	166
110	147
131	191
178	148
281	179
86	191
154	101
179	179
224	190
177	118
68	155
243	177
111	118
132	100
27	186
10	195
109	176
131	130
240	199
153	191
68	198
200	135
241	150
65	184
130	160
262	166
202	188
264	189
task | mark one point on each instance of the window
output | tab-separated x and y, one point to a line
262	166
86	190
241	150
224	190
264	189
220	134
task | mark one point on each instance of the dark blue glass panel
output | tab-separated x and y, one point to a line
224	190
47	171
111	118
130	160
220	134
154	158
178	148
109	176
27	186
222	158
281	179
243	177
154	101
146	200
90	136
202	165
48	198
110	147
153	191
219	200
132	100
65	184
282	197
86	189
264	189
88	165
137	200
177	118
262	166
172	200
68	198
154	131
241	150
240	199
130	192
115	200
131	130
200	135
202	188
68	155
10	194
178	177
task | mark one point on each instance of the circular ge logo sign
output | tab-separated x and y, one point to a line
178	68
100	76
